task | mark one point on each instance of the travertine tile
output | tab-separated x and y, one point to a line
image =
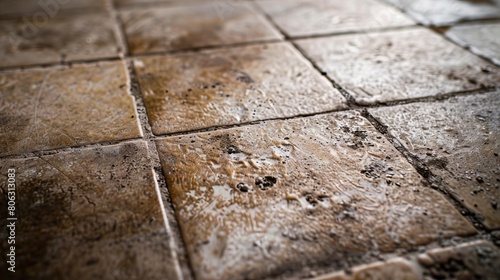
303	17
61	107
459	139
230	86
61	38
219	4
448	12
475	260
179	28
397	65
481	39
257	200
88	214
39	9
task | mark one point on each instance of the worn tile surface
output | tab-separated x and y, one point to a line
61	38
266	198
448	12
229	86
475	260
88	214
60	107
397	65
482	39
178	28
35	9
459	139
302	17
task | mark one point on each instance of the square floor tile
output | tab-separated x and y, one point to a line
481	39
399	65
229	86
179	28
303	17
61	107
88	214
459	139
61	38
448	12
258	200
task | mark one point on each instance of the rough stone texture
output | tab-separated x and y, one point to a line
303	17
61	107
476	260
286	194
393	269
448	12
459	140
481	39
179	28
397	65
87	214
219	4
61	38
35	8
230	86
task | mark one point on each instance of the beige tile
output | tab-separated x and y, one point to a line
459	139
38	8
76	37
230	86
257	200
397	65
61	107
88	214
178	28
475	260
303	17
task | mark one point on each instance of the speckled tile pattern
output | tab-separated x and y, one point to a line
230	86
459	139
302	17
44	109
297	192
398	65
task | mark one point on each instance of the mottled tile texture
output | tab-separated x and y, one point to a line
459	140
230	86
61	107
88	214
263	199
36	8
398	65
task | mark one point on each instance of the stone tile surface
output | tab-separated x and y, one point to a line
302	17
481	39
61	107
36	8
230	86
459	139
475	260
448	12
179	28
61	38
88	214
398	65
259	200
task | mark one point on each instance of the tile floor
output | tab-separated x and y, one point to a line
249	139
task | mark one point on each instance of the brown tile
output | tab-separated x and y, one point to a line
259	200
475	260
179	28
397	65
459	140
49	8
61	107
61	38
230	86
88	214
481	39
217	3
303	17
448	12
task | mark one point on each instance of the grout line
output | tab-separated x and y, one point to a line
119	30
434	181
